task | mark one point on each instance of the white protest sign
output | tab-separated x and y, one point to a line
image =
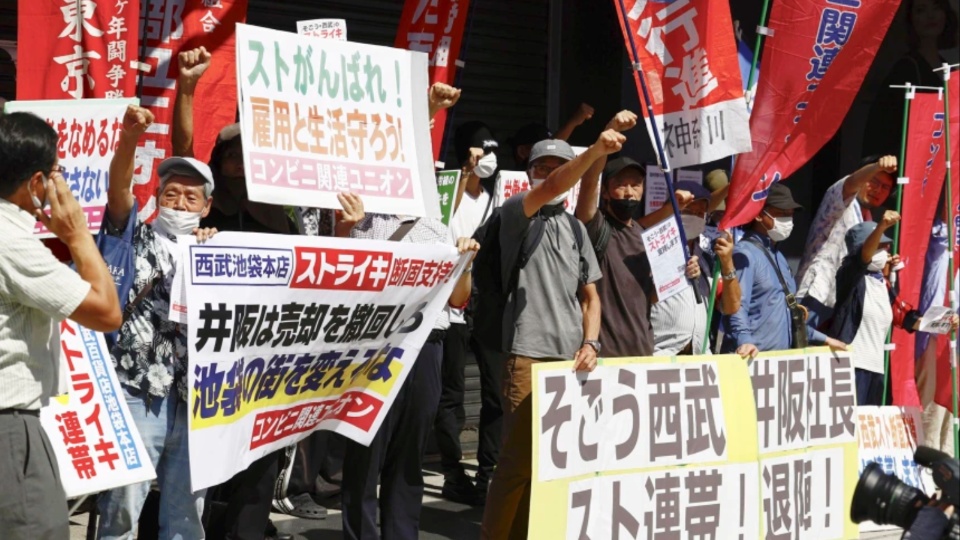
91	430
509	183
308	333
323	28
319	120
88	131
667	263
936	320
655	191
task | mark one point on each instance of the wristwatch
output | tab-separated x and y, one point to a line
731	275
593	343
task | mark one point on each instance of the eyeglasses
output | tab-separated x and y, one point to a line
58	169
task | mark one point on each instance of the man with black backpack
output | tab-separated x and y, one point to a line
545	298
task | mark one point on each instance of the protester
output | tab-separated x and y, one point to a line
395	456
150	354
473	204
522	142
36	293
864	313
846	203
769	318
543	319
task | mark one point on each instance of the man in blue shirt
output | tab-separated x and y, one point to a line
763	321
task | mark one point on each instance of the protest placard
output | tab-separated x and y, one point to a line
323	28
448	182
667	263
319	120
309	333
937	320
509	183
90	429
641	447
655	186
88	131
888	436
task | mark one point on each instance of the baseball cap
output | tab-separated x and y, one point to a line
857	236
617	165
715	180
473	134
186	166
530	134
551	148
699	192
781	198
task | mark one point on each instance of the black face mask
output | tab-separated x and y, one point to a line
623	209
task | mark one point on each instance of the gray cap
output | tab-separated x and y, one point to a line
186	166
551	148
857	236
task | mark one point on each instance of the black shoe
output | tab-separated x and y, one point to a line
271	533
460	490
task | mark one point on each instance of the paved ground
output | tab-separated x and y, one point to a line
440	520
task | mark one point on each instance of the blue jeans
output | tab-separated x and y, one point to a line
162	423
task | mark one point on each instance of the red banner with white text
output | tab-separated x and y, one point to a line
688	55
168	27
436	28
813	64
944	395
75	49
924	167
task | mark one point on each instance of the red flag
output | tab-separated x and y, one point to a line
944	394
813	66
171	26
436	28
925	166
76	49
690	62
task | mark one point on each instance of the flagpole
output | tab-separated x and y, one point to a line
945	68
909	93
761	30
448	132
664	164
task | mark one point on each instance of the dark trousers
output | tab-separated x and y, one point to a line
32	503
491	410
395	457
869	387
249	496
317	465
450	414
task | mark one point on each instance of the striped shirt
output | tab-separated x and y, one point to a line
36	292
678	322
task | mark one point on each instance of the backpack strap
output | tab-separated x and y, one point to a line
402	231
786	291
578	235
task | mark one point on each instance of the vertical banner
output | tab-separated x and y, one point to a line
924	168
815	58
889	436
944	395
91	430
436	28
448	182
309	333
167	28
88	133
321	118
76	49
688	54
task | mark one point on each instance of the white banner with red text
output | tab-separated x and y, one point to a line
91	430
319	119
309	333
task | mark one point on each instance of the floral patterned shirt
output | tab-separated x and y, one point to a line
151	351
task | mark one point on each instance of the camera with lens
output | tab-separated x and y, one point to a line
885	499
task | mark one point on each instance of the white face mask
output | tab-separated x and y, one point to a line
36	200
878	261
486	166
534	182
175	222
782	227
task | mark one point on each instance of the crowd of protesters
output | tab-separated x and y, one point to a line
545	285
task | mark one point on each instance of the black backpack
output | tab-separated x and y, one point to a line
490	292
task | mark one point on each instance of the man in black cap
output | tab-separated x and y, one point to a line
767	286
523	142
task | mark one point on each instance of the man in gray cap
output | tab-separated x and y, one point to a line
543	320
150	353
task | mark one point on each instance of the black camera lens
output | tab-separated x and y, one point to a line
882	498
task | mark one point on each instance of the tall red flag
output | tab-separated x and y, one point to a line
689	59
944	395
171	26
76	49
925	166
436	28
813	66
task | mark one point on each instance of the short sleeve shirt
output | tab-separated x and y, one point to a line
36	292
542	318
